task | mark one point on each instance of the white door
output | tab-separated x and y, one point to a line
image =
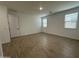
44	24
13	25
1	52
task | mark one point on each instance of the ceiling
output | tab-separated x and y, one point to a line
33	6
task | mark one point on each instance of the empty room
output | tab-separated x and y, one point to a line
39	29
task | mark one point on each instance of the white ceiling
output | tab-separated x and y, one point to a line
33	6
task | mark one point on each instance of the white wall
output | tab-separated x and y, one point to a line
56	26
29	23
4	29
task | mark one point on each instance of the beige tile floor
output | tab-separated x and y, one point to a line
41	45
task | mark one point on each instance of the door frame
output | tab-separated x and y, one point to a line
13	13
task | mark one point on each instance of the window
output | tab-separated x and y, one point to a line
71	20
45	22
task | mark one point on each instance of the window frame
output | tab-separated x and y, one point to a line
69	21
43	22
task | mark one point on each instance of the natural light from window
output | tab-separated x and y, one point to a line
45	22
71	20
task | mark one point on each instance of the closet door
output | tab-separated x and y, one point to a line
13	25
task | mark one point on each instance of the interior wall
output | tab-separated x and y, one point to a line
4	29
56	25
29	23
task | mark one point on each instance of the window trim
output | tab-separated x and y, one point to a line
43	23
68	21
